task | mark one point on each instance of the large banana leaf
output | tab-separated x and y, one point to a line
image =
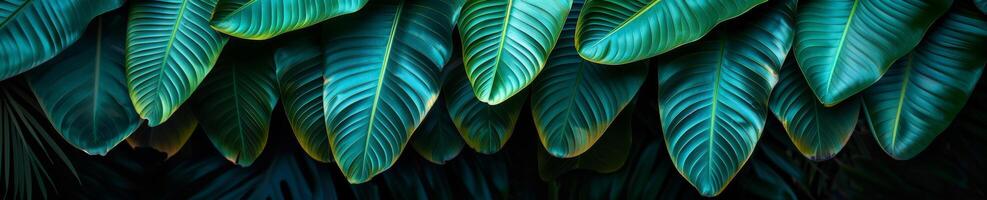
169	137
299	68
624	31
263	19
607	156
819	132
84	92
844	46
33	31
234	105
713	95
170	49
484	127
507	42
382	77
923	91
437	140
574	100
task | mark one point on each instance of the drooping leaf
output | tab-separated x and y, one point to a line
263	19
623	31
608	155
845	46
33	31
84	92
169	137
382	77
819	132
299	68
484	127
170	49
507	42
924	91
235	104
437	140
713	95
574	100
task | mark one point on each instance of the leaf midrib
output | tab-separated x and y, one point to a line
164	57
15	13
627	21
715	102
500	49
901	101
380	80
839	49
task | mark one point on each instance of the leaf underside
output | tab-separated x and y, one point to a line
485	128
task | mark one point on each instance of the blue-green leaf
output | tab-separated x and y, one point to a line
925	90
263	19
169	137
437	140
982	4
507	42
714	93
33	31
84	92
299	68
382	77
624	31
608	155
484	127
170	49
844	46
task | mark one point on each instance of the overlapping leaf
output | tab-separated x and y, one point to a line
382	77
169	137
923	91
607	156
624	31
263	19
170	49
299	64
982	5
845	46
437	139
713	95
484	127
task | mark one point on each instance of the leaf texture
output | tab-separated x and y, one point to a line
484	127
982	5
437	140
507	42
924	91
845	46
617	32
608	155
169	137
574	100
299	64
713	95
263	19
33	31
170	49
382	77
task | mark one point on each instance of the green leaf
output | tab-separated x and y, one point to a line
235	104
819	132
845	46
608	155
484	127
169	137
925	90
713	95
982	5
263	19
507	42
33	31
574	100
623	31
170	49
83	91
437	140
382	77
299	68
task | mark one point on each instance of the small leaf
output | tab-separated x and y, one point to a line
263	19
484	127
299	64
437	140
169	137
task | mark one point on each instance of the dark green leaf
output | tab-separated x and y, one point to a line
484	127
608	155
168	137
299	64
437	139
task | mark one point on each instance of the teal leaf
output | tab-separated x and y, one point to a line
819	132
574	101
263	19
235	104
624	31
714	93
84	92
437	140
982	5
924	91
382	77
33	31
169	137
484	127
507	42
608	155
170	49
299	64
845	46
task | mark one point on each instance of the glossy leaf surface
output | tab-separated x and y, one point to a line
263	19
299	64
484	127
169	137
608	155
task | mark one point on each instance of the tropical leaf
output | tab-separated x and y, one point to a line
299	68
437	140
925	90
236	102
263	19
170	49
168	137
982	5
714	95
484	127
380	82
507	42
623	31
607	156
484	176
819	132
646	175
33	31
84	92
845	46
574	100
